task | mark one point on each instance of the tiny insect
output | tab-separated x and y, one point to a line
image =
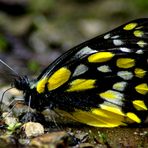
102	82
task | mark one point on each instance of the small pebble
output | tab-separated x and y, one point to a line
8	119
33	129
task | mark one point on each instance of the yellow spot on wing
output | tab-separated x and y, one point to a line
133	117
139	105
100	57
130	26
139	72
125	62
81	84
138	33
58	78
109	94
98	118
112	108
142	88
41	85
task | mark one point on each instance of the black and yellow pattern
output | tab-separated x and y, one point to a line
102	82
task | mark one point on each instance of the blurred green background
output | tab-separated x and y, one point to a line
35	32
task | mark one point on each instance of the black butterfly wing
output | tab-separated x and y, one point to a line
132	36
102	82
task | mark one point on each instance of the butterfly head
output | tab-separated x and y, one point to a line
31	97
22	83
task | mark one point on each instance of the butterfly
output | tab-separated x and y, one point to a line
102	82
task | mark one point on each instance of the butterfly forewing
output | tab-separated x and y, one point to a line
102	82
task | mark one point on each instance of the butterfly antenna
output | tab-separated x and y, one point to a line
9	67
29	104
10	111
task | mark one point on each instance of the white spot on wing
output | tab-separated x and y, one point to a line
80	69
124	49
114	97
126	75
140	51
107	36
120	85
141	43
117	42
85	51
115	37
104	68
